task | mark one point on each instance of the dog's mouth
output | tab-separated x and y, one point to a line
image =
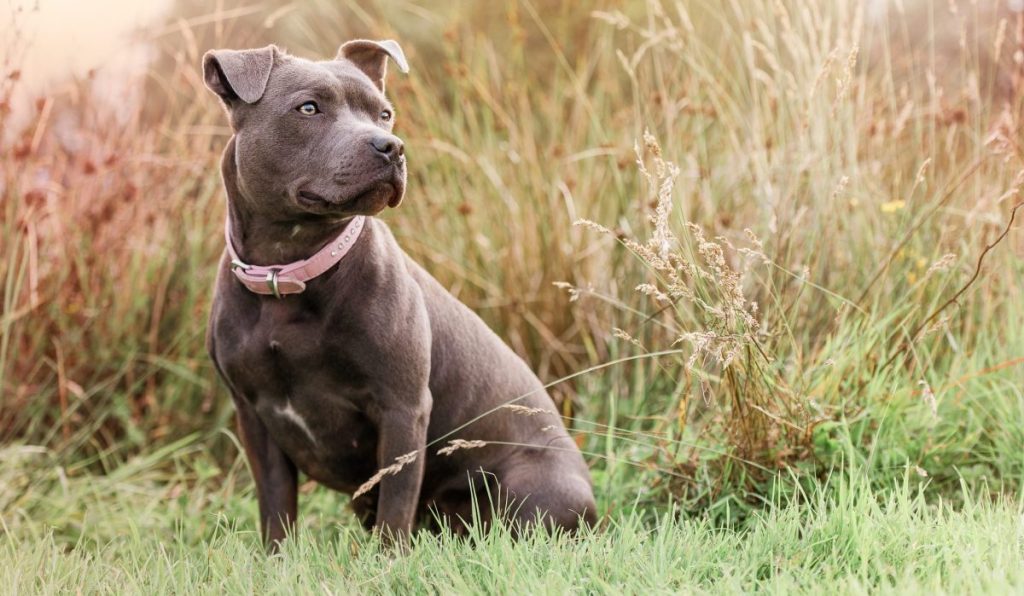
366	202
311	198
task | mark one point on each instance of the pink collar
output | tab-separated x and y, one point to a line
279	280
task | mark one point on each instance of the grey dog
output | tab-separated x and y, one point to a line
363	371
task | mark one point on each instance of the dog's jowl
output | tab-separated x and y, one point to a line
345	359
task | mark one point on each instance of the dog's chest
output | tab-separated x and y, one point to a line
275	351
304	388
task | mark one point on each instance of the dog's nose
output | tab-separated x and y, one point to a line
389	146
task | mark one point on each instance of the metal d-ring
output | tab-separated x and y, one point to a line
272	282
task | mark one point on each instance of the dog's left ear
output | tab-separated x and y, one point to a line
238	74
372	57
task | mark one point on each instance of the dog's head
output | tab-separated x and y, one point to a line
312	138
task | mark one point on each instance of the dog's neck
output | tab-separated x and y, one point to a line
259	240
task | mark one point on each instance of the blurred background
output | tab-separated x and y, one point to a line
793	200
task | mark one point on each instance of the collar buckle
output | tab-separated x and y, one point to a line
272	282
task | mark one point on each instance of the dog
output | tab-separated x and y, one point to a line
344	358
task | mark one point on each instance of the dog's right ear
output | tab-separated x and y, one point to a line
238	74
371	57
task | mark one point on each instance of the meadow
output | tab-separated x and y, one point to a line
767	254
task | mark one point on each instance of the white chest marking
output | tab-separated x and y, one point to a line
289	412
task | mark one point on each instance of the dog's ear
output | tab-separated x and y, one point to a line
372	57
238	74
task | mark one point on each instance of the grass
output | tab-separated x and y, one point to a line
138	530
796	305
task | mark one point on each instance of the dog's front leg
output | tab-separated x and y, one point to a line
402	443
275	476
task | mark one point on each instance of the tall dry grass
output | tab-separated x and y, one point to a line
791	194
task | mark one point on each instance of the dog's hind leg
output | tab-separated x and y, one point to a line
555	497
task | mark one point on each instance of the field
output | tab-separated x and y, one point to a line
766	253
132	535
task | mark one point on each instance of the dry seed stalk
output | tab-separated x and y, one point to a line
400	462
524	410
456	444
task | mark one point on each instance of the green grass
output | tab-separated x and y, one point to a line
141	531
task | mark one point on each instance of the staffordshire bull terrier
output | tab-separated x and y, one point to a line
344	358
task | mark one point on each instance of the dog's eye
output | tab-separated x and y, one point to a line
386	115
308	109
